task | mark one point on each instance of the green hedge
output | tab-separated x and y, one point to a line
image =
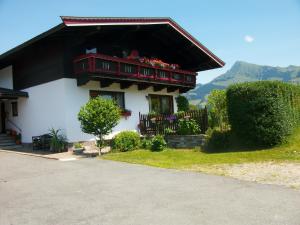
263	113
126	141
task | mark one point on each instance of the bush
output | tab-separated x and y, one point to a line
182	103
78	145
158	143
126	141
188	127
263	113
146	143
218	141
169	131
217	109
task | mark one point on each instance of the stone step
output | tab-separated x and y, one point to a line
11	147
7	143
7	138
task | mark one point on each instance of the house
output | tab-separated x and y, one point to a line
142	63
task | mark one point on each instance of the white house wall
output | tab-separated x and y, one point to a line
6	77
45	108
57	103
135	101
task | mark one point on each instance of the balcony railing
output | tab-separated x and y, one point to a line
125	68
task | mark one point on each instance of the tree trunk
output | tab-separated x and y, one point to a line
100	145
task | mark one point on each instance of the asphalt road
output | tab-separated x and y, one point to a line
92	191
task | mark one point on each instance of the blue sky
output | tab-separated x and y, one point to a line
258	31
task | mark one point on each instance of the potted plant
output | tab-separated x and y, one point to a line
58	142
13	133
18	139
78	149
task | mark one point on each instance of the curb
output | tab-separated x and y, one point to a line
30	154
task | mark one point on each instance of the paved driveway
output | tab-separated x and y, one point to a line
91	191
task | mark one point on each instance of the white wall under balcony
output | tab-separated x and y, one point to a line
57	103
6	77
135	101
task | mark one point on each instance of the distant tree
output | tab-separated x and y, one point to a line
217	109
182	103
97	117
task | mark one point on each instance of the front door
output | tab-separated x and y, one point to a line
3	114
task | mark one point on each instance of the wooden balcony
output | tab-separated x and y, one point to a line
117	69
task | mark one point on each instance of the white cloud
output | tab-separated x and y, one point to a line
249	38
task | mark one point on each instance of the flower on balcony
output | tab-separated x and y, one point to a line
174	66
126	113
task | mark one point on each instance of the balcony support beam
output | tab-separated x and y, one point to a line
171	89
82	81
125	84
106	83
183	90
143	86
158	88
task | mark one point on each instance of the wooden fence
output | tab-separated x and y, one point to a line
158	124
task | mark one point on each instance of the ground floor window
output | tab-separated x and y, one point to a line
118	97
161	104
14	108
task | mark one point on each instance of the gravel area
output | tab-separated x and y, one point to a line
286	174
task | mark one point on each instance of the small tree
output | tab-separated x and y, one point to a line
98	116
182	103
217	108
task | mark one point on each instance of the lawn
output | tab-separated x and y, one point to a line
198	160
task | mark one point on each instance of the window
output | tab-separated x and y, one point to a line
14	108
161	104
118	97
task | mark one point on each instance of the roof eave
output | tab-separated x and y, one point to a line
32	40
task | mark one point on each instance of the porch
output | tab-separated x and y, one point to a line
9	111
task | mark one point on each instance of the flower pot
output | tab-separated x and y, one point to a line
78	151
18	142
126	114
13	133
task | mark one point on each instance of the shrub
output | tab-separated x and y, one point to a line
146	143
169	131
78	145
126	141
218	141
98	117
182	103
217	109
263	113
158	143
58	142
188	127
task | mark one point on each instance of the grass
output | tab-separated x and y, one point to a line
196	159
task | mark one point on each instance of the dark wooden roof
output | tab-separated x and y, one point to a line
12	94
178	44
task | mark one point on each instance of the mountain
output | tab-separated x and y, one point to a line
242	72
